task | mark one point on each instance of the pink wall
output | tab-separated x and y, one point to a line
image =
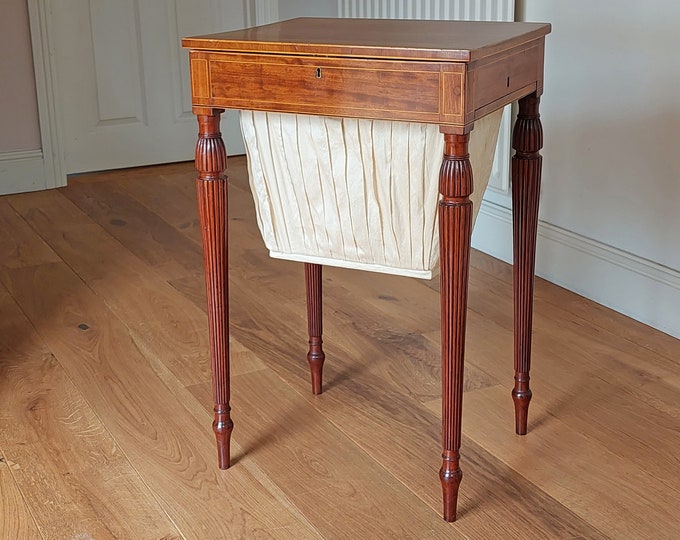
19	128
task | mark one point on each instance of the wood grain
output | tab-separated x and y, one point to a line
614	482
439	72
41	414
131	394
407	39
617	403
614	327
17	521
380	416
370	380
19	246
157	317
173	452
145	234
15	509
319	466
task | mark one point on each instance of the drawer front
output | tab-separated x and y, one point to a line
325	86
500	81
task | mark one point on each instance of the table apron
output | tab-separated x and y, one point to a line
447	93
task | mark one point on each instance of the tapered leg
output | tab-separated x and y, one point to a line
211	187
315	356
455	227
527	140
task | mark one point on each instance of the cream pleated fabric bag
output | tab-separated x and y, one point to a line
354	193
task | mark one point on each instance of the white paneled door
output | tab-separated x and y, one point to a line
121	79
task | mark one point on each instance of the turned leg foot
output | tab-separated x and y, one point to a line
450	476
521	396
315	356
526	181
455	227
223	426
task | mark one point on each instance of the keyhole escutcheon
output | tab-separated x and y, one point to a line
318	73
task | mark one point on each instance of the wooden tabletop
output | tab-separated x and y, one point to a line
462	41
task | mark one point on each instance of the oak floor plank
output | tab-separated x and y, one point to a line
581	389
617	487
341	489
17	523
155	314
19	246
401	435
594	383
161	320
173	452
53	220
145	234
290	299
380	416
167	197
100	495
130	242
568	348
142	173
610	335
417	314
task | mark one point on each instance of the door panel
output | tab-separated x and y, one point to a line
119	86
123	80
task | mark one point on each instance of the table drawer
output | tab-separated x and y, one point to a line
335	87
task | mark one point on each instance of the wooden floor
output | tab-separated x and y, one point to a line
105	397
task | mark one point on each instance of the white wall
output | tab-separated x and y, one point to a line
266	11
289	9
19	128
610	203
612	120
23	166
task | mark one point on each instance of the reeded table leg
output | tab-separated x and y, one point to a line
211	187
455	227
527	140
315	356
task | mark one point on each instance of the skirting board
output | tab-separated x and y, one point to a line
636	287
22	171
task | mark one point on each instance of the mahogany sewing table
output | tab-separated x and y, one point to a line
447	73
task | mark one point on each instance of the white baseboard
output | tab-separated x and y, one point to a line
22	171
639	288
